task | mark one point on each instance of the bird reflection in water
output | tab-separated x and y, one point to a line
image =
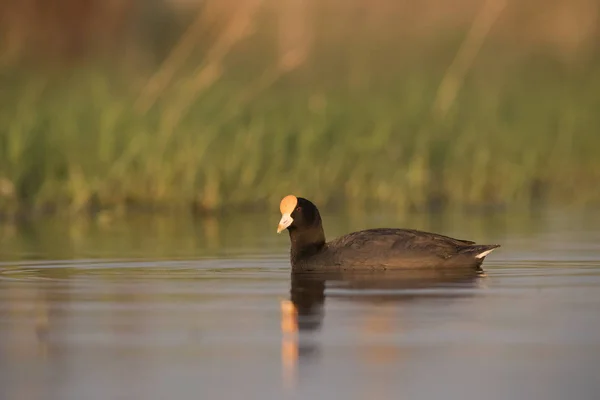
303	314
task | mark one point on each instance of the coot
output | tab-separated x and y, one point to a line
372	249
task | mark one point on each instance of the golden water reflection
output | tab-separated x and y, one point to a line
304	312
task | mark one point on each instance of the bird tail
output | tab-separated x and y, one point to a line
479	251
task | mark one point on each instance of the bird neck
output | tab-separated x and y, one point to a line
306	242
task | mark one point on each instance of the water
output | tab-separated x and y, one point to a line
158	308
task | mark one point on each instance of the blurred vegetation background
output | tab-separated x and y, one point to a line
216	105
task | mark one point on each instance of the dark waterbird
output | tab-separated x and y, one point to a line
372	249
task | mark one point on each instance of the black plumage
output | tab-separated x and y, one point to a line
372	249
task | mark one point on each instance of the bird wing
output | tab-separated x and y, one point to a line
398	241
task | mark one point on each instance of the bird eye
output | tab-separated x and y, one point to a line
298	209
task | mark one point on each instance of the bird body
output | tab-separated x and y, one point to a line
371	249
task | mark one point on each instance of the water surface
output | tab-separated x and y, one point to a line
157	308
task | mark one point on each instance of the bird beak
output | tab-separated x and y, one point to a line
286	220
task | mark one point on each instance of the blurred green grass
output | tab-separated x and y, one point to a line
520	133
